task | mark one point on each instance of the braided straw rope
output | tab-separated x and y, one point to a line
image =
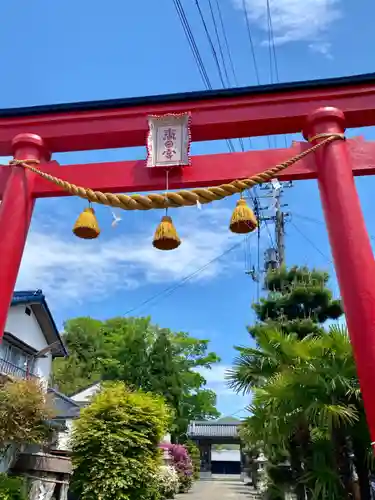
175	199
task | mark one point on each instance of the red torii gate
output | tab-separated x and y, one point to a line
33	133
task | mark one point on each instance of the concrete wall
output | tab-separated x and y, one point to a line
225	456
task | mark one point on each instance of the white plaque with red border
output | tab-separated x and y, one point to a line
168	140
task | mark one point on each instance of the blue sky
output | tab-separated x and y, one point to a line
83	50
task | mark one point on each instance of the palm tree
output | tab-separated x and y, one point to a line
307	407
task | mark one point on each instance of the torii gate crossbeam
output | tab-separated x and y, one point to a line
326	106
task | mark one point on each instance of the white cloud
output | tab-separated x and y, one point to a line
69	269
323	48
294	20
228	402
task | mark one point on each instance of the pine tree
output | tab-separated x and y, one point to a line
306	402
298	301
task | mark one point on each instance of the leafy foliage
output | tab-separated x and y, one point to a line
12	488
115	445
168	482
307	409
145	357
183	466
194	454
298	302
23	413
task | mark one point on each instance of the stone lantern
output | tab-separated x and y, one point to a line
261	473
164	446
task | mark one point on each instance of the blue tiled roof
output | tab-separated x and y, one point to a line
37	297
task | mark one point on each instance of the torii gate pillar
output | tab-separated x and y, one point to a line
351	248
16	211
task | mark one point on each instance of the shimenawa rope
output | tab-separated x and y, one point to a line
175	199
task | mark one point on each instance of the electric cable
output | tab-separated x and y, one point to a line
310	241
192	43
170	289
250	37
219	42
272	40
216	59
322	223
212	46
199	61
229	54
196	53
272	51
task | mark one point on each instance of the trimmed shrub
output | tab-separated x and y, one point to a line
23	413
183	466
168	481
115	445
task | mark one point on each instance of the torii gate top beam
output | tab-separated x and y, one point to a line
222	114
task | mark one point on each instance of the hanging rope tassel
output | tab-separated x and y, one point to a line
243	219
86	226
166	237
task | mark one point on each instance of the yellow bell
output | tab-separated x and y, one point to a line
86	226
166	237
243	219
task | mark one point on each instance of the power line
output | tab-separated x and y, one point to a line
309	219
170	289
249	35
219	42
199	61
226	42
321	223
192	43
272	51
272	39
212	46
216	59
310	241
196	53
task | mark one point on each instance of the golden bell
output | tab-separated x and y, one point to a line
86	226
166	237
243	219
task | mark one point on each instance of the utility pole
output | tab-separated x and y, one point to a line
274	257
279	230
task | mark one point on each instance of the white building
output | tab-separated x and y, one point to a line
31	338
84	396
31	341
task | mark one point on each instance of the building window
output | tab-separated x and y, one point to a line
15	361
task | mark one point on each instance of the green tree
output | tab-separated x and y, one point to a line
165	377
145	357
115	445
83	365
306	405
298	301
